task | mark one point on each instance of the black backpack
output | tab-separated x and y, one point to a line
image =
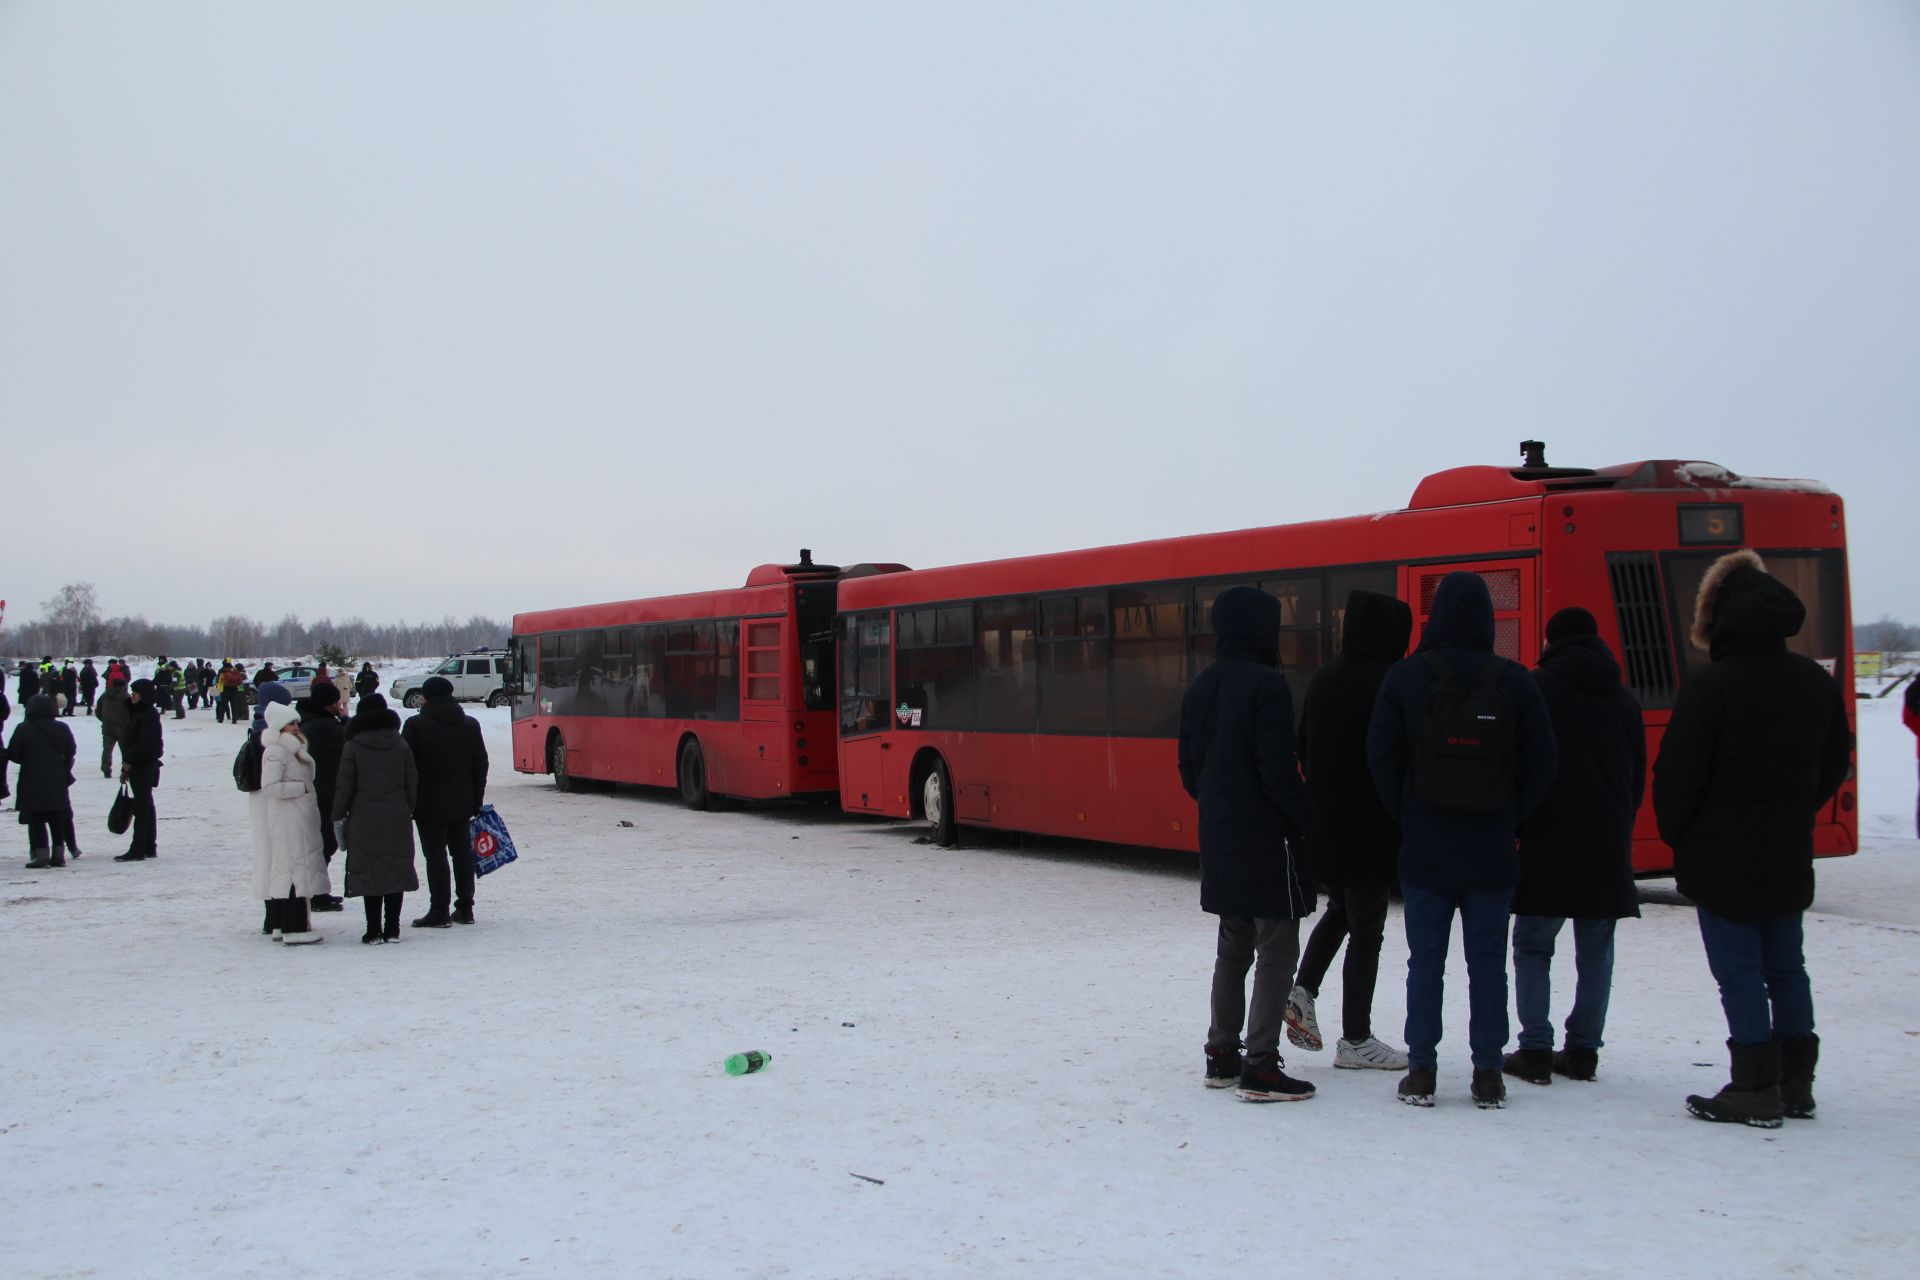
246	765
1466	757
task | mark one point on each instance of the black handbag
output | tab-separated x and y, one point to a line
120	816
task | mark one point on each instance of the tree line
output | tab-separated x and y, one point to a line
72	625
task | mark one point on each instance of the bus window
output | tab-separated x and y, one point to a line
935	677
865	701
1817	577
1073	664
1005	687
1149	660
815	635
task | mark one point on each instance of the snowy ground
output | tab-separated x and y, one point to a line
1006	1038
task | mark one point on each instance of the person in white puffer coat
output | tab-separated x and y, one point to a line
289	864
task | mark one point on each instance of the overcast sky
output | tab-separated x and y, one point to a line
413	309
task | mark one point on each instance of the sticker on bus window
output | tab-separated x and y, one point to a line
915	722
903	713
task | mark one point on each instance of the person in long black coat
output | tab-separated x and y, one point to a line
1356	850
29	681
326	739
89	683
1238	757
44	750
6	714
374	795
141	749
1757	746
452	757
1576	849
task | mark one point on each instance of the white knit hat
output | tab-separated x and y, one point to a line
278	716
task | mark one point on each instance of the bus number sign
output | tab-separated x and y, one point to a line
1710	525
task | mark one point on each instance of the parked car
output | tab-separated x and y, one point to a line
478	676
297	676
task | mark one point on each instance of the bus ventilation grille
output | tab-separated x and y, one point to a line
1643	626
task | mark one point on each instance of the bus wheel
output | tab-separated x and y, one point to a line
416	700
693	777
936	798
557	766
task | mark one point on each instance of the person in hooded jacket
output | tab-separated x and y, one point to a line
1451	861
89	683
294	869
1358	843
142	747
1238	758
320	715
1910	716
1576	850
44	750
29	681
69	686
111	710
6	714
1757	745
366	681
375	795
271	695
452	758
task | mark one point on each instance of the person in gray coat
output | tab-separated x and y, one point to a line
374	795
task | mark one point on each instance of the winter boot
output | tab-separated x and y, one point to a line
434	919
131	855
1416	1088
1489	1089
1535	1066
1303	1029
1798	1057
1368	1055
462	915
1577	1064
59	858
1266	1080
371	935
37	858
1752	1096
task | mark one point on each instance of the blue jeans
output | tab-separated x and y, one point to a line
1483	931
1533	987
1762	972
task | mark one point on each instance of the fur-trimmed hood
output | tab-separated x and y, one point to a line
1739	598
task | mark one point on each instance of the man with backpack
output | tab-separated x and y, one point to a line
1461	749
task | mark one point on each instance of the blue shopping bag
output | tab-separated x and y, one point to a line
492	846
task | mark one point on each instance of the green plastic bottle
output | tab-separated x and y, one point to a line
741	1064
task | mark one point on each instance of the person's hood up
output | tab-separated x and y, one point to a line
1584	662
1377	626
1462	616
144	688
1246	624
40	707
1739	600
377	727
443	710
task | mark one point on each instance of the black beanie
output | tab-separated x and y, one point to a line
323	695
1572	621
144	688
437	687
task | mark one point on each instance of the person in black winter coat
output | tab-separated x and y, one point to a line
6	714
29	683
366	682
69	687
1453	861
44	750
1238	758
320	724
141	750
452	758
89	682
1576	850
1757	746
1355	851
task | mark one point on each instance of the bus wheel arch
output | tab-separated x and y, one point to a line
690	769
930	792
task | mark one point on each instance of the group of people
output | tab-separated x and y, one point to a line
69	686
45	750
1489	792
363	783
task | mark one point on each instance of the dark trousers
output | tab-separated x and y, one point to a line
288	914
234	704
438	841
1533	938
86	700
329	840
106	751
1357	914
1269	948
1483	931
145	821
390	904
41	831
1762	972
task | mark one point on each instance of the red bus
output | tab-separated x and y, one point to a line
724	693
1042	694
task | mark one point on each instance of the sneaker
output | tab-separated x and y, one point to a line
1268	1081
1535	1066
1416	1087
1489	1089
369	937
1368	1055
1576	1064
1223	1068
1303	1029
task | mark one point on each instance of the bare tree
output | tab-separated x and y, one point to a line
69	613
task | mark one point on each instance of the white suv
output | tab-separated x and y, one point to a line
480	676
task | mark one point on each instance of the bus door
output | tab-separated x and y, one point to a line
1511	583
866	708
763	715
